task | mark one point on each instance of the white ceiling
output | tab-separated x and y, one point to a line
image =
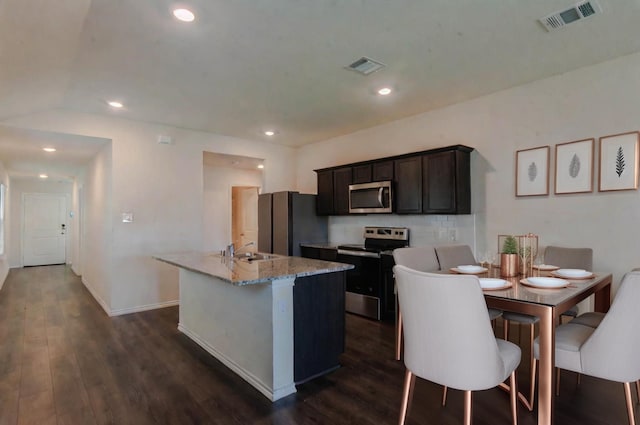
247	65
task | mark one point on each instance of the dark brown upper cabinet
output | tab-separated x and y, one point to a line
446	185
436	181
362	174
408	185
324	200
333	191
382	171
342	178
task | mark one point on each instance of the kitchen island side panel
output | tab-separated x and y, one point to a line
248	328
319	324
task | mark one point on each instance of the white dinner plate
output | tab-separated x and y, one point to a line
545	282
469	270
545	267
491	284
572	273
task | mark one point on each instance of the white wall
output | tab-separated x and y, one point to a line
96	234
75	258
591	102
20	186
162	185
4	263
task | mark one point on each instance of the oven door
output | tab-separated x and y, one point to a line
363	282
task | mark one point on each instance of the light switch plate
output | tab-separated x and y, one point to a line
127	217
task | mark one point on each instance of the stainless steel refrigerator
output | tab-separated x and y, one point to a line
287	219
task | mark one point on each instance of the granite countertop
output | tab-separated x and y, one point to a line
239	271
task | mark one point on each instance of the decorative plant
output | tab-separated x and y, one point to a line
510	245
509	265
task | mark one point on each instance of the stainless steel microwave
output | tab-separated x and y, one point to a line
370	198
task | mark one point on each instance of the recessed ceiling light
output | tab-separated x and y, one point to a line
384	91
49	149
269	133
115	104
261	166
184	15
43	176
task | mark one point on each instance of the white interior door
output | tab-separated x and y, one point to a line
44	221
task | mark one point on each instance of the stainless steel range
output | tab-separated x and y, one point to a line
365	293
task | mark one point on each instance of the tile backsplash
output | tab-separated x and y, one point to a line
423	229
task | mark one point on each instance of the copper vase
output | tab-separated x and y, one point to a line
509	265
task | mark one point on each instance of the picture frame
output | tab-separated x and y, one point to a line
532	171
574	167
619	162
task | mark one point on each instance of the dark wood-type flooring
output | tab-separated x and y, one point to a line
63	361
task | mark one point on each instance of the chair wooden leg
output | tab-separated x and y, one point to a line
557	382
444	396
527	402
627	396
467	408
407	395
514	398
399	336
505	332
638	390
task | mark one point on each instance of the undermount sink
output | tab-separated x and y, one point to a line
257	256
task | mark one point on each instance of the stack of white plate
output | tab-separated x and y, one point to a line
572	273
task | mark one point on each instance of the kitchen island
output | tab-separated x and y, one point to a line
274	320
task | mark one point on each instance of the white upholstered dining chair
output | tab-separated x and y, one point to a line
450	256
421	258
569	258
454	347
610	351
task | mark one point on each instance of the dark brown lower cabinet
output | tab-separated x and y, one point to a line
318	324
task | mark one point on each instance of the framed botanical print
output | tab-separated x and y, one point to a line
619	162
574	167
532	171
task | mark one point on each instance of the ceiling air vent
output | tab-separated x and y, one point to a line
365	66
580	11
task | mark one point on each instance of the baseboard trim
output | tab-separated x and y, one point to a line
95	296
138	309
3	276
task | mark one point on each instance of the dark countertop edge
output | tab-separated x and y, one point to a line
319	245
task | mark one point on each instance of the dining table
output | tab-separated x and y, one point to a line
548	304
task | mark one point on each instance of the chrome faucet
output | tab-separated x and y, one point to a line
243	247
230	251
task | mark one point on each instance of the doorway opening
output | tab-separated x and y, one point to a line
227	178
244	218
